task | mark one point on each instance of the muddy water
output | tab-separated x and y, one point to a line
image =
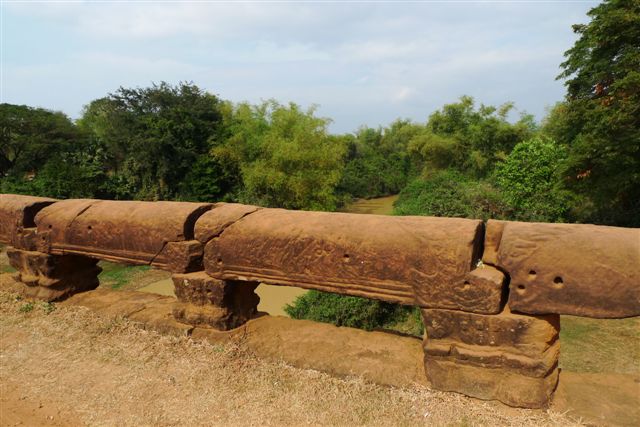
274	298
377	206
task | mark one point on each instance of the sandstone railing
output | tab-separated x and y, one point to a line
490	294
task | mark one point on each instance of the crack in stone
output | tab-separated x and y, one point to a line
224	228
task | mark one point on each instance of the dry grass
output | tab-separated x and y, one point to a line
600	345
109	372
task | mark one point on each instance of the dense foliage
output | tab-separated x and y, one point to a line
602	114
153	137
350	311
449	193
285	156
529	181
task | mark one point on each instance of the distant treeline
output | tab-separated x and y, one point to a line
166	142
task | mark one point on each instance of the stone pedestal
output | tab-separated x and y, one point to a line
219	304
508	357
53	277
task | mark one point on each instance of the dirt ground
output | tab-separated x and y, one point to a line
66	366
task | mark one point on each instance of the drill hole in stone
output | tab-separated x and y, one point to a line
219	261
346	258
532	272
520	288
558	281
89	227
50	226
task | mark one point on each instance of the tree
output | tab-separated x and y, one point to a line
377	161
285	156
472	139
29	137
153	138
43	153
602	72
529	179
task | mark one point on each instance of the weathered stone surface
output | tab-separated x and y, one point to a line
213	223
17	213
499	358
504	385
508	357
481	290
410	260
120	231
114	304
147	311
521	334
207	302
345	352
52	277
375	356
582	270
184	257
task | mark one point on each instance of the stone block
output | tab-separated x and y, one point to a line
511	388
53	277
481	290
526	335
508	357
147	233
207	302
184	257
213	223
420	261
17	213
577	269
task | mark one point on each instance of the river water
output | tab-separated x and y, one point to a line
274	298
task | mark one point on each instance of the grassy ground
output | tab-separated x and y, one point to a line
128	277
117	276
600	345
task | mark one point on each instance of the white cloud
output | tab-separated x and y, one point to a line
364	63
401	94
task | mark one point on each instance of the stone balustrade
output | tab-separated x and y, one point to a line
490	294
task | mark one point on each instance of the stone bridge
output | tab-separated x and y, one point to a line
490	293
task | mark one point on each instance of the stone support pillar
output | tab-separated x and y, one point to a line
53	277
207	302
508	357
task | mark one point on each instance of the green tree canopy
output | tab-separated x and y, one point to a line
528	178
30	136
602	73
154	136
472	139
377	161
285	156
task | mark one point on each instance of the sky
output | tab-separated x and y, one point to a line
361	62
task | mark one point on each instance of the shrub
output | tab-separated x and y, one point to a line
529	180
449	193
354	312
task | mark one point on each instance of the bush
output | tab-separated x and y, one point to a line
351	311
530	182
449	193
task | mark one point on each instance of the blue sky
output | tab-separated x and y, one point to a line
363	63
